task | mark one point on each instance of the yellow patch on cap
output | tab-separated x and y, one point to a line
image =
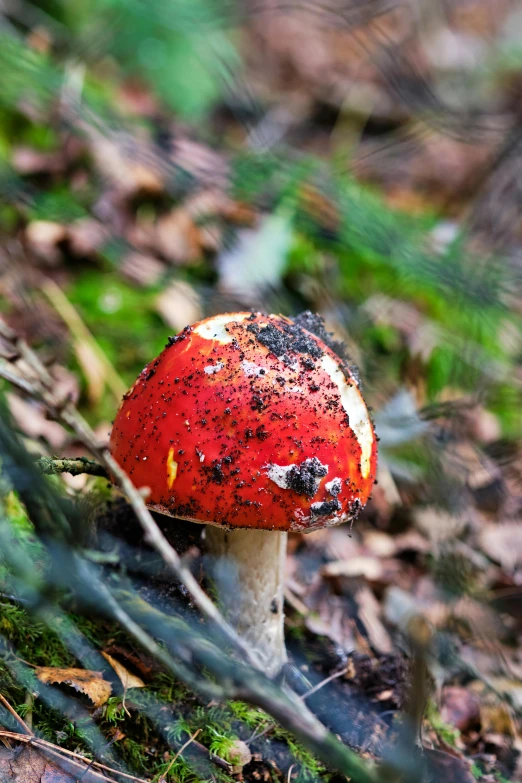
172	469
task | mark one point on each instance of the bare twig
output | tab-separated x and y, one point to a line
180	751
51	465
15	715
242	682
324	682
56	749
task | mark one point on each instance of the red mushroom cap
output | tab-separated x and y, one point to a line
248	420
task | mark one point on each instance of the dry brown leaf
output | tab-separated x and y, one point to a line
66	385
28	161
438	525
201	162
332	621
127	679
179	305
178	237
30	418
29	765
503	543
89	682
509	686
115	162
460	707
368	567
45	232
142	269
379	544
43	238
86	236
370	614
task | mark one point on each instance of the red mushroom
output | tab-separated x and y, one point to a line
253	425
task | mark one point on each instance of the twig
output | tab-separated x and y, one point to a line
15	715
296	603
180	751
75	466
39	742
16	380
156	538
238	681
324	682
258	734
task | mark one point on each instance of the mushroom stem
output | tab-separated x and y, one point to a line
249	576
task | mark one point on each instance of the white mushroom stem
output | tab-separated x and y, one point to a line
249	572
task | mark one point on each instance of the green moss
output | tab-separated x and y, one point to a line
252	717
113	710
222	745
449	734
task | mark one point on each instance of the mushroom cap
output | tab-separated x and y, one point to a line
248	420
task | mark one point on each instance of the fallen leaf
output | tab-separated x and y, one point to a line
438	525
127	679
86	236
460	708
89	682
503	543
30	418
510	687
201	162
178	238
179	305
370	615
43	238
66	385
142	269
370	568
29	765
332	621
379	544
123	164
28	161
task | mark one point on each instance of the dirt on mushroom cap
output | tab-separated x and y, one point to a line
242	422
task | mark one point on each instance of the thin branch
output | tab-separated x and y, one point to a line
15	715
76	466
180	751
241	682
324	682
17	380
56	749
